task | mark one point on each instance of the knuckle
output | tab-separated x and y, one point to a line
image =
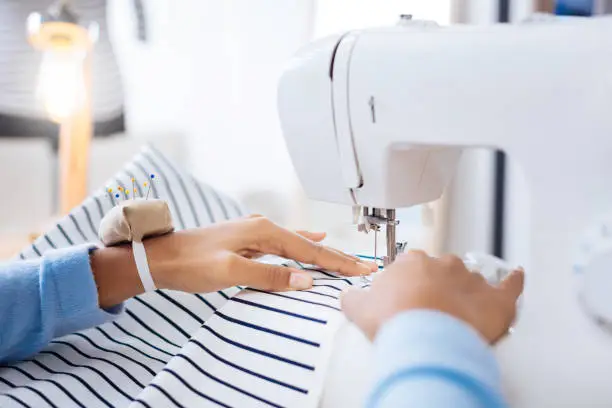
452	261
258	228
262	223
478	278
225	262
413	255
276	277
417	253
509	312
416	257
318	251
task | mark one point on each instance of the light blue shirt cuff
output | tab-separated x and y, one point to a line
48	297
431	345
75	290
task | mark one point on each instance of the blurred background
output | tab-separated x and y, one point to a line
197	78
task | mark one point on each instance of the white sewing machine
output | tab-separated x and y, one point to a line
379	118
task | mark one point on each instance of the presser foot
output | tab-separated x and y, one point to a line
372	219
400	247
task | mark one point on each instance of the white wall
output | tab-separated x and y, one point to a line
155	92
209	74
233	125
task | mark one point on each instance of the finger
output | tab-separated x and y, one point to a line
313	236
453	263
357	309
477	277
269	277
373	265
320	236
412	255
250	254
409	261
499	338
334	260
513	284
293	246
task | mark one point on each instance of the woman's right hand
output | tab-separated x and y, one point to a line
417	281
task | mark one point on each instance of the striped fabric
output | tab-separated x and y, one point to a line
20	63
259	350
237	348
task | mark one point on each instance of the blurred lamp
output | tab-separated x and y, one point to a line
64	89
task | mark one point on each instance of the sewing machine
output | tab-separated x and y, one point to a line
377	120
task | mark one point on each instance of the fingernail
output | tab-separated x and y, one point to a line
366	269
300	281
345	290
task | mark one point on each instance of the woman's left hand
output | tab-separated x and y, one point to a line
222	255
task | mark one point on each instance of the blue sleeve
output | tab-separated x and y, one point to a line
46	298
430	359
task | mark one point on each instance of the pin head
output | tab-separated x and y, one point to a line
152	176
120	188
110	190
117	195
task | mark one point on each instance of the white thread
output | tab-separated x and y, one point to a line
142	265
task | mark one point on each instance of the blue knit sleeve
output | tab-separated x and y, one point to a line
46	298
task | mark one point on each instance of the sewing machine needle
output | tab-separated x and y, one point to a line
375	246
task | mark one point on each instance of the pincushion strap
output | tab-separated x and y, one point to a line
142	265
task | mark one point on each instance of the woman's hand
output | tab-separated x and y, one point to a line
417	281
221	255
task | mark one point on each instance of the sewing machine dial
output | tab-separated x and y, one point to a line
593	270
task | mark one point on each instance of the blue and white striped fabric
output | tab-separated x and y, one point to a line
259	350
236	347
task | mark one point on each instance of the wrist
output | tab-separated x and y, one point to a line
162	259
115	275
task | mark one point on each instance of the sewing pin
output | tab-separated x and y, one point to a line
127	194
152	176
145	186
134	188
124	192
110	194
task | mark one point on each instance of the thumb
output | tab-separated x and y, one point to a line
270	277
513	284
357	308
